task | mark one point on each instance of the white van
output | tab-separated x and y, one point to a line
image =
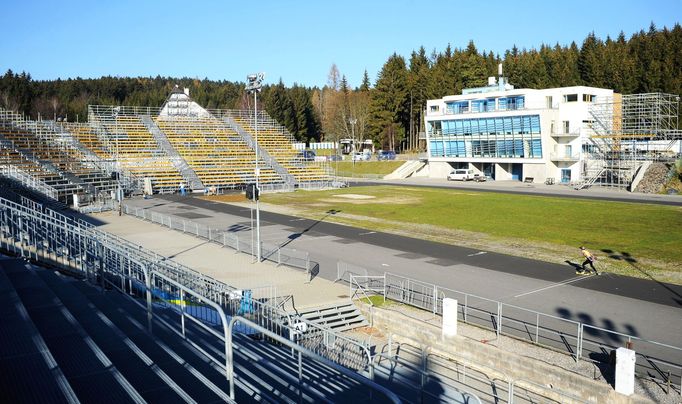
461	175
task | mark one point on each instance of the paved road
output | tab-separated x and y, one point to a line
448	255
641	308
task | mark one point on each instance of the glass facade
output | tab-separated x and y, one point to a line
512	103
502	137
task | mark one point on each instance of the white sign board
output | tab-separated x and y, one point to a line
625	371
449	317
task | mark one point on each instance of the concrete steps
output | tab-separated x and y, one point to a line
338	317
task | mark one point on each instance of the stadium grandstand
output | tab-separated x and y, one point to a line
155	150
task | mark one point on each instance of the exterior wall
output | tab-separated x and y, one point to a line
561	143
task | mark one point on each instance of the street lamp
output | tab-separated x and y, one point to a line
254	85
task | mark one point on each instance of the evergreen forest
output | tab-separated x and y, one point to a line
389	108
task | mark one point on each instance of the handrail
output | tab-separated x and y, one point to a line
433	303
216	306
301	351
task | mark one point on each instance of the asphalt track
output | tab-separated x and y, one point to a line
647	290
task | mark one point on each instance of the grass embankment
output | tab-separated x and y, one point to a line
360	168
641	240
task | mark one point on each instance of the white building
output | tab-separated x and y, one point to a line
511	134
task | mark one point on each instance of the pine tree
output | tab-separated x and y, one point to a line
388	107
365	86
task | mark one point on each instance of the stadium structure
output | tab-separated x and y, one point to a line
177	334
155	150
579	136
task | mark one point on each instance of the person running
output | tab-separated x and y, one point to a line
589	259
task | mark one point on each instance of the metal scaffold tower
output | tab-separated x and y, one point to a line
627	134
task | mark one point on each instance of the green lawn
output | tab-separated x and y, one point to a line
348	168
634	235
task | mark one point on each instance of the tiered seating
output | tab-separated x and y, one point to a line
46	147
278	143
12	158
138	152
218	155
87	136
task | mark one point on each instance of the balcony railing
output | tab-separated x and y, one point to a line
564	157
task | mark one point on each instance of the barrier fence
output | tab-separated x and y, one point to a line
657	361
51	238
226	238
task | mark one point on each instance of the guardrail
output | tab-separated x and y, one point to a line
270	252
29	181
659	362
57	240
477	379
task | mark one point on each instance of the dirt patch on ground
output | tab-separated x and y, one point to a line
367	199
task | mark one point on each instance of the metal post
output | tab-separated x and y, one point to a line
384	287
579	352
537	326
435	298
148	287
182	312
300	378
499	318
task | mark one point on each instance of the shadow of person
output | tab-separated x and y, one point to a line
574	265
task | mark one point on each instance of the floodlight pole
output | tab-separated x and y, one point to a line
255	83
352	122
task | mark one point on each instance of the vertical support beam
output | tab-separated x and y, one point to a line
182	312
148	287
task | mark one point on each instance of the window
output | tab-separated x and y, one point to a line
570	97
567	127
549	101
589	97
434	108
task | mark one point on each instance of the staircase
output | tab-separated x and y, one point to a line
338	317
193	180
262	153
407	169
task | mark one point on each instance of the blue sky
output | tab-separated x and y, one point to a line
296	41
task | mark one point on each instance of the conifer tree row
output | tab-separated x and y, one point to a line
389	110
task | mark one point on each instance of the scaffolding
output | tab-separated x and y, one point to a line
626	135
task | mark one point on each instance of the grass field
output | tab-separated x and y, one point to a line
641	240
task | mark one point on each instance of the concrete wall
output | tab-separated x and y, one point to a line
514	366
537	171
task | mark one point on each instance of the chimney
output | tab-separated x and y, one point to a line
187	90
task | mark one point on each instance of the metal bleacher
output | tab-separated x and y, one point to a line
43	152
277	142
127	325
216	153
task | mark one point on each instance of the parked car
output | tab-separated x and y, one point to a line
360	156
334	157
461	175
386	155
306	155
480	178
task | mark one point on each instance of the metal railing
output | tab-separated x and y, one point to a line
270	252
659	362
29	181
51	238
474	378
